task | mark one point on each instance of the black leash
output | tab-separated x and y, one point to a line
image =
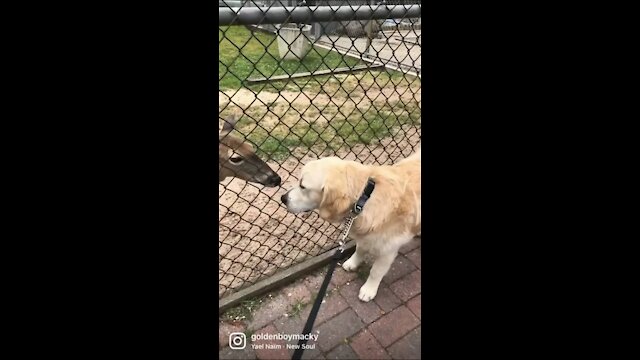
297	354
357	209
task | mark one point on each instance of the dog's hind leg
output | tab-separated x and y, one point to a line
379	269
355	260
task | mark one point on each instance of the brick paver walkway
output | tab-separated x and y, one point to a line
388	327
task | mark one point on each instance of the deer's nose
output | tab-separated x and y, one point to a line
276	180
269	180
284	198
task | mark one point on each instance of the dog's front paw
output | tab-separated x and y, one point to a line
350	265
368	292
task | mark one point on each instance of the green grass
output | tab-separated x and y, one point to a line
243	311
296	308
242	55
367	127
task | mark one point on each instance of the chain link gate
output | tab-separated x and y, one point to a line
306	80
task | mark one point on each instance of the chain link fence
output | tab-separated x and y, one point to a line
300	81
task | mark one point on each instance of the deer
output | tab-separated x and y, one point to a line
238	159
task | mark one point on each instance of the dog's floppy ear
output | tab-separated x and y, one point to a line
339	193
334	202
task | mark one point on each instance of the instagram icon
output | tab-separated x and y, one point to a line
237	341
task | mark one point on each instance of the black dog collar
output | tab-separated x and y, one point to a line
366	194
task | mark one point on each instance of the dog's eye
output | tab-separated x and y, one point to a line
302	187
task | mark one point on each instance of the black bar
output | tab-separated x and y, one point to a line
306	14
319	72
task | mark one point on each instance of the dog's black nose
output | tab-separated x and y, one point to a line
284	199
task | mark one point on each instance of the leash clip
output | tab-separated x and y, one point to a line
345	231
357	209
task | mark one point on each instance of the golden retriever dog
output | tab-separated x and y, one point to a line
390	218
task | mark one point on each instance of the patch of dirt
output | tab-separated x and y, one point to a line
258	236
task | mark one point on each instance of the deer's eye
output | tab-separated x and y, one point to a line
236	160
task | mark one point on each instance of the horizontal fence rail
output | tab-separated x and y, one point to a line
279	15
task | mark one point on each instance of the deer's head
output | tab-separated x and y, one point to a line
237	158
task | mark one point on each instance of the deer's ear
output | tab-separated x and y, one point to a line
228	124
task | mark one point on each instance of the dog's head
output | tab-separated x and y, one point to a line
330	185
